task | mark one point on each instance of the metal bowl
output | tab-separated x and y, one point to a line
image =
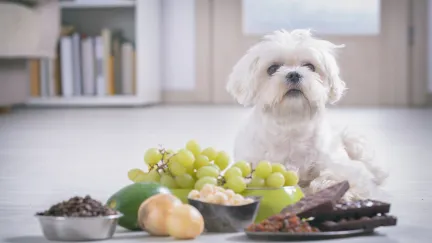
222	218
78	228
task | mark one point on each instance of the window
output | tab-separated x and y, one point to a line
328	17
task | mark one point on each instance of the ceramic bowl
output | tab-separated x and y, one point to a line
273	200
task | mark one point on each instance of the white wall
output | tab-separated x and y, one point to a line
430	45
178	49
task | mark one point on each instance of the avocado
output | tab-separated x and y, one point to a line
128	200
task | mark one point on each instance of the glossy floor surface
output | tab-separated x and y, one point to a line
48	155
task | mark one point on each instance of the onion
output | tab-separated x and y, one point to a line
153	212
185	222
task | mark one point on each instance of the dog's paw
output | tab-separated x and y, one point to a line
351	195
357	146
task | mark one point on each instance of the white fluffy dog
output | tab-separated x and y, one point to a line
289	78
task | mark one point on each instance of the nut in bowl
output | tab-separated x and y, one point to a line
78	219
223	210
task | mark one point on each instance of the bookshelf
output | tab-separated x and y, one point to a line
97	4
139	23
116	100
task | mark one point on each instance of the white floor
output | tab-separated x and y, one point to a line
47	155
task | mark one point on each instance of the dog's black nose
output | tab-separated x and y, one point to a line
293	77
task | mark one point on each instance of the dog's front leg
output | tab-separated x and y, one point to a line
323	182
361	187
358	149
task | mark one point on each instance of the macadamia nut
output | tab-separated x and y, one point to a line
218	195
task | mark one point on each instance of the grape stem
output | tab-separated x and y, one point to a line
221	181
164	166
250	175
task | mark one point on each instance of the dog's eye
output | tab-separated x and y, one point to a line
273	68
310	66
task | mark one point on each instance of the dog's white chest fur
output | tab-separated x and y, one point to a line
300	147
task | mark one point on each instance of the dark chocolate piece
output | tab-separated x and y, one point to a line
354	209
367	223
319	202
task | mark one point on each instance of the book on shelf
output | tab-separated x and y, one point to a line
101	65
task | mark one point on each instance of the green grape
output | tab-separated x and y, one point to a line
168	181
236	183
185	157
222	160
244	166
152	156
190	170
205	180
169	153
151	176
142	178
194	147
291	178
135	175
275	180
233	171
210	152
256	182
154	175
172	158
185	181
215	166
200	161
278	167
207	171
176	168
263	169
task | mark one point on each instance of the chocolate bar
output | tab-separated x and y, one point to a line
367	223
322	201
354	209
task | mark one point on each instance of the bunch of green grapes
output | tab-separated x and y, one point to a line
272	175
190	167
265	175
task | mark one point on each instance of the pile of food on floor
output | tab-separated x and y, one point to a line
78	207
328	213
159	201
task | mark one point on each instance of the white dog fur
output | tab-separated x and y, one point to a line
288	122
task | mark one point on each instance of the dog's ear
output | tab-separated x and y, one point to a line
337	86
241	80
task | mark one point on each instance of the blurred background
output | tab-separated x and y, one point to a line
86	86
97	53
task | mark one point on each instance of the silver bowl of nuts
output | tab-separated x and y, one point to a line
78	219
223	210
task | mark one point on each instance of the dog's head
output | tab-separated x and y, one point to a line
287	70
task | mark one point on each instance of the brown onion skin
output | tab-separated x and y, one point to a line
153	213
185	222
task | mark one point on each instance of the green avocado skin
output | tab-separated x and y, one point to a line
128	200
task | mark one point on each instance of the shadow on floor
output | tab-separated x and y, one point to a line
117	237
27	239
361	238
